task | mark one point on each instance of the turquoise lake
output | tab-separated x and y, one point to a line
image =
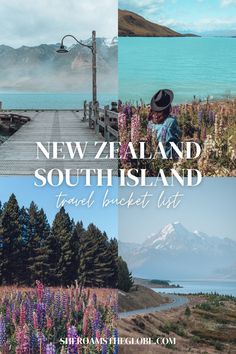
194	287
50	100
188	66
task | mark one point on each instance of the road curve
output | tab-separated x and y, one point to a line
175	301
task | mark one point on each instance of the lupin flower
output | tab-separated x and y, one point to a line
124	151
115	341
98	338
50	348
135	129
85	322
200	117
2	331
41	315
35	321
39	290
104	348
72	340
48	323
22	315
8	313
22	338
122	121
211	117
41	343
33	342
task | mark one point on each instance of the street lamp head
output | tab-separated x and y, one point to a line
62	49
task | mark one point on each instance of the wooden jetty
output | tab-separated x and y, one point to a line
18	154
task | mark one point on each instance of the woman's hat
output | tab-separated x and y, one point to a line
161	100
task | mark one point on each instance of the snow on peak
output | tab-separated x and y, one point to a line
168	229
109	42
151	235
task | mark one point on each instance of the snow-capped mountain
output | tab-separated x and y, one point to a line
176	253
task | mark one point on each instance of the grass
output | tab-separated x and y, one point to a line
206	325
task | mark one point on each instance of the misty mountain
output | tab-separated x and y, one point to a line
42	68
177	253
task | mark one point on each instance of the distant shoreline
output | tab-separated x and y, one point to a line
142	36
156	283
197	101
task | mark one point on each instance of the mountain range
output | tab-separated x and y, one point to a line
176	253
134	25
42	68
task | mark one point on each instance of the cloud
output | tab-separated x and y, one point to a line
225	3
143	7
202	25
29	22
140	3
151	10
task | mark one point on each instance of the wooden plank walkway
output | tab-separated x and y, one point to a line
18	153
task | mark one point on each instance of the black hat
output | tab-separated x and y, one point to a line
161	100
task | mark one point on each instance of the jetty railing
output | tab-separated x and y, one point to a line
102	120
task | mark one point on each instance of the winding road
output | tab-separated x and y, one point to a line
175	301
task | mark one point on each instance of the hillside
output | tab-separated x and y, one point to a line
140	297
133	25
208	328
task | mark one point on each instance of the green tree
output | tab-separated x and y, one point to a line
113	249
62	230
24	223
125	280
53	250
87	256
12	265
37	251
103	271
31	250
77	235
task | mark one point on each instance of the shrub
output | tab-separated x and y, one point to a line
187	311
219	346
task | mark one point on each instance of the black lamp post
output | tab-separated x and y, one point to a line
92	47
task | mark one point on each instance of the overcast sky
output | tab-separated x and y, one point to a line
184	15
32	22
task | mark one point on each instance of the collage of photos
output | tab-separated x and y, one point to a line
117	177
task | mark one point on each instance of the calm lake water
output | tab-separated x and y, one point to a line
190	287
188	66
37	100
